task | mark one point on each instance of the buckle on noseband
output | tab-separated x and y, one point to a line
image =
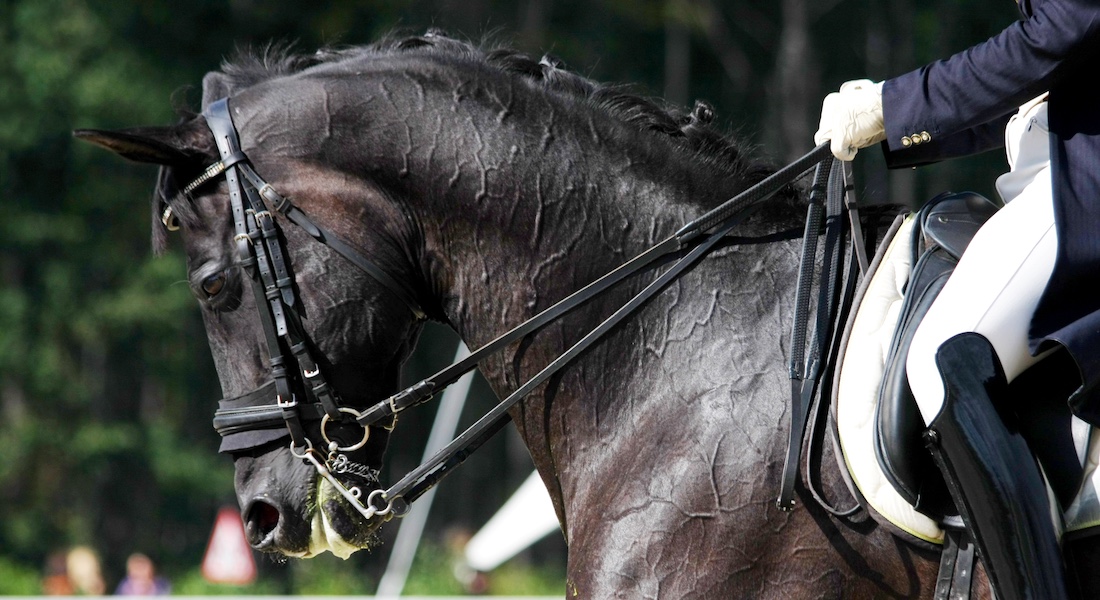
286	404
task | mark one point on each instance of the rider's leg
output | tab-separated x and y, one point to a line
992	475
993	291
997	284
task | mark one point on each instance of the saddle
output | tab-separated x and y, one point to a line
876	425
940	234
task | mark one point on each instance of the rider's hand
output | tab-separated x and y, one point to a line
852	118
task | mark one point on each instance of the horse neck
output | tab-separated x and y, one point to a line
543	222
507	197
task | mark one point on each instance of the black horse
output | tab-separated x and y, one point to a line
487	186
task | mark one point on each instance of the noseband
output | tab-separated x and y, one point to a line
303	395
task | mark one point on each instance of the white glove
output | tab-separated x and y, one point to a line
852	118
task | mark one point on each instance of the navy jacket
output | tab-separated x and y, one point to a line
960	106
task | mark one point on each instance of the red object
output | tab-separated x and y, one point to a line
228	558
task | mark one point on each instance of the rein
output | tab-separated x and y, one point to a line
304	395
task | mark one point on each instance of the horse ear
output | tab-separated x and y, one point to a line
215	86
157	145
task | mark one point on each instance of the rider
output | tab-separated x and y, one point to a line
1032	88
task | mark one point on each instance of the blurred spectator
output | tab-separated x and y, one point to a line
56	580
141	578
84	574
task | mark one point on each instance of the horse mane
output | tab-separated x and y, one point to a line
689	129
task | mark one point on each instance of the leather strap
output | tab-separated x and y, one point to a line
299	218
424	390
261	253
428	474
723	218
253	246
806	367
254	411
953	582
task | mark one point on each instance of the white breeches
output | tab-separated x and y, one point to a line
998	282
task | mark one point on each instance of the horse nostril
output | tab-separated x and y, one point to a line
262	519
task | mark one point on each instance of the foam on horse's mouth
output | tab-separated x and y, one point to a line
322	534
324	537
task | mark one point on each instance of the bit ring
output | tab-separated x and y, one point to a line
324	434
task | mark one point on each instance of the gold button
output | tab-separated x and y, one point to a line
924	137
906	142
916	138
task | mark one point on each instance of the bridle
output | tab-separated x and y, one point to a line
304	394
299	393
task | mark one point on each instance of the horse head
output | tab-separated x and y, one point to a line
340	336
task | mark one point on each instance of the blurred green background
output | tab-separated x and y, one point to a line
106	385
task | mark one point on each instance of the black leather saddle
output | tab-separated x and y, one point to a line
942	232
944	228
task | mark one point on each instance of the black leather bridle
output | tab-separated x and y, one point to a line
301	395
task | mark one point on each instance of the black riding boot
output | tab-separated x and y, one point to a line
992	476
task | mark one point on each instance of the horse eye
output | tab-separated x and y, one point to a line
213	284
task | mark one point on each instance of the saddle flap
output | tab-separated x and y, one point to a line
917	270
947	223
898	422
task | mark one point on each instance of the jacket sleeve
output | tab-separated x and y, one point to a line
952	107
980	138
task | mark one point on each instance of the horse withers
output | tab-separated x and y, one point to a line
482	187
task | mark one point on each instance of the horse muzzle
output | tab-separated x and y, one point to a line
338	526
327	523
271	525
